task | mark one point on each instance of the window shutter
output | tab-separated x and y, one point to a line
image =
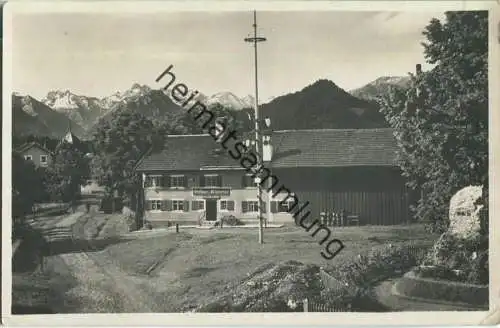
147	182
219	180
186	206
263	206
248	181
168	203
149	205
243	180
164	205
230	205
194	205
185	180
244	206
202	181
274	206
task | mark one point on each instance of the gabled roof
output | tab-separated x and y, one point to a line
291	148
30	145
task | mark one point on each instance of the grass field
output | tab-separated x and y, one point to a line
165	271
194	266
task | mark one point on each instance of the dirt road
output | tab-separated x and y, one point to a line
101	286
105	288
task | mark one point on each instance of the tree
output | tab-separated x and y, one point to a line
26	186
68	171
119	143
441	121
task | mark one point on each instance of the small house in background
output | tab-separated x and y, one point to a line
38	154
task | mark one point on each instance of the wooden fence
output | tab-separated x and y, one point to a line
312	306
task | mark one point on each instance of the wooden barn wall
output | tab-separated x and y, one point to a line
377	195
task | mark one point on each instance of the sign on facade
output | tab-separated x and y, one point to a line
211	192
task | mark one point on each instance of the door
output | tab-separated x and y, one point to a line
211	209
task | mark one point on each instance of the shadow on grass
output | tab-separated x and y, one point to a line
198	272
80	245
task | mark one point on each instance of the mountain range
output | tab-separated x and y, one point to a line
380	86
320	105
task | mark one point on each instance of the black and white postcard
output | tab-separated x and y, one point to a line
214	163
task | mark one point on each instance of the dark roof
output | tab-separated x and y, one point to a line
30	145
292	148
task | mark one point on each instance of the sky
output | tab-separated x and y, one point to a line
99	54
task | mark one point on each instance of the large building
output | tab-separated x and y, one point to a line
334	170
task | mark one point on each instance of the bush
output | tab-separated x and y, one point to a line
231	220
468	256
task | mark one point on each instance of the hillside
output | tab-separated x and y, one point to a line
380	86
322	105
29	116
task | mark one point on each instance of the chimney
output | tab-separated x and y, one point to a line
267	148
419	69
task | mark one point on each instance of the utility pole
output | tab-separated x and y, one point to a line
258	138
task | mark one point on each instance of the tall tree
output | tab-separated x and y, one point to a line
68	171
26	186
119	143
441	121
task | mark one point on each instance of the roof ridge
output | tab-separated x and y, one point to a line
333	129
188	135
287	130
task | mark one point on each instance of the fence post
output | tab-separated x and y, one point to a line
306	305
177	227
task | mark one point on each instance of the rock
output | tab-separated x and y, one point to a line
465	212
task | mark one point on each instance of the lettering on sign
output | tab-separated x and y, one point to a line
211	192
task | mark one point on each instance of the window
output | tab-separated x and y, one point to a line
226	205
153	181
253	206
156	205
212	180
43	159
28	157
177	181
250	206
177	205
198	205
285	206
248	181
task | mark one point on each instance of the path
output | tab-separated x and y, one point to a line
386	295
105	288
102	286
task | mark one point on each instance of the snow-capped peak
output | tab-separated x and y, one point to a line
59	99
249	100
229	100
137	90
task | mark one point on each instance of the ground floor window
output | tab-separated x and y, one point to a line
226	205
177	205
198	205
250	206
156	205
285	206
